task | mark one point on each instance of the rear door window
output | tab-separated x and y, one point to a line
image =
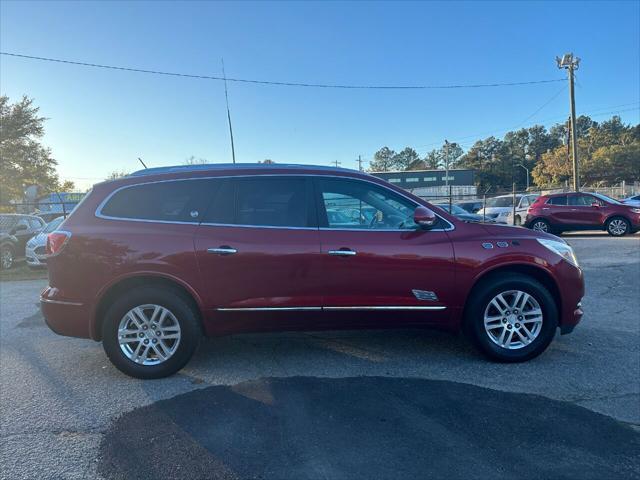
561	200
177	200
274	202
582	200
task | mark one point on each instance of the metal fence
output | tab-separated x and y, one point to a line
51	209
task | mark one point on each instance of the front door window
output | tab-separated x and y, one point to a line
359	205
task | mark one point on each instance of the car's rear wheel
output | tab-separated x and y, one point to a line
511	318
541	225
6	257
618	226
151	332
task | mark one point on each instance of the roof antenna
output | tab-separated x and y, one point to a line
226	96
142	162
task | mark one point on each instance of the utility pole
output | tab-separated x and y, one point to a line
226	97
336	163
571	63
359	163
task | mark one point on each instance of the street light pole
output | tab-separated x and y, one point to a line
527	170
571	63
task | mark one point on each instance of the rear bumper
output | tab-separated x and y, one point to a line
64	316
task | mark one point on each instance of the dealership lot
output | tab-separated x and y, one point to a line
362	404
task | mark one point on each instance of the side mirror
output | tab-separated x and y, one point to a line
18	228
595	204
424	217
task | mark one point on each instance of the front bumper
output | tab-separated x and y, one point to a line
570	281
65	316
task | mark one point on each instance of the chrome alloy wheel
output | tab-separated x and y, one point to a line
617	226
540	226
513	319
149	334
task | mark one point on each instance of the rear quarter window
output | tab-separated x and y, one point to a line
179	200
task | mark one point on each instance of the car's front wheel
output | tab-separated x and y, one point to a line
6	257
511	318
151	332
618	226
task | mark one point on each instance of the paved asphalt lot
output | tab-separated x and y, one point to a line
366	404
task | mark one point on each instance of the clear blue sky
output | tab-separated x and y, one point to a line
102	120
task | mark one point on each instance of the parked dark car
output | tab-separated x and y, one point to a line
563	212
471	206
462	214
21	228
150	262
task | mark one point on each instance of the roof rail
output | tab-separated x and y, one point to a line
229	166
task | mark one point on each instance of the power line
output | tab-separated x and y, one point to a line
284	84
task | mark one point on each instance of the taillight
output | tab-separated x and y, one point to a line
56	241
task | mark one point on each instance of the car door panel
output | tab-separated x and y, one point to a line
371	268
247	266
387	269
270	268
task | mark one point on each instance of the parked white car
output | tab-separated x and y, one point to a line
35	248
500	209
633	201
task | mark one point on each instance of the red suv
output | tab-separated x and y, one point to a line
151	262
563	212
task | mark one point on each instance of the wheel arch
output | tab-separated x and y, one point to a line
617	215
539	217
122	285
537	273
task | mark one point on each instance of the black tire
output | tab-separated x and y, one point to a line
485	292
616	221
7	257
541	225
182	309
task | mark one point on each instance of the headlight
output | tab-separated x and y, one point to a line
635	210
561	248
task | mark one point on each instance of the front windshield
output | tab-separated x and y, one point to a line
52	225
606	199
500	202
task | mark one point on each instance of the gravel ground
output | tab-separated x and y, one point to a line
64	408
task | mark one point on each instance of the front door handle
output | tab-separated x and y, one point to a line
223	250
343	253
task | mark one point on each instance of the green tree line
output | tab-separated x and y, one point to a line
609	152
24	161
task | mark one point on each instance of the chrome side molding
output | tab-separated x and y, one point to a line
331	309
222	250
342	253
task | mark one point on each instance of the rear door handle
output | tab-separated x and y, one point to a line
223	250
342	253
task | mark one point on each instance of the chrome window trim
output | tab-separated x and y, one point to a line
330	309
98	212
